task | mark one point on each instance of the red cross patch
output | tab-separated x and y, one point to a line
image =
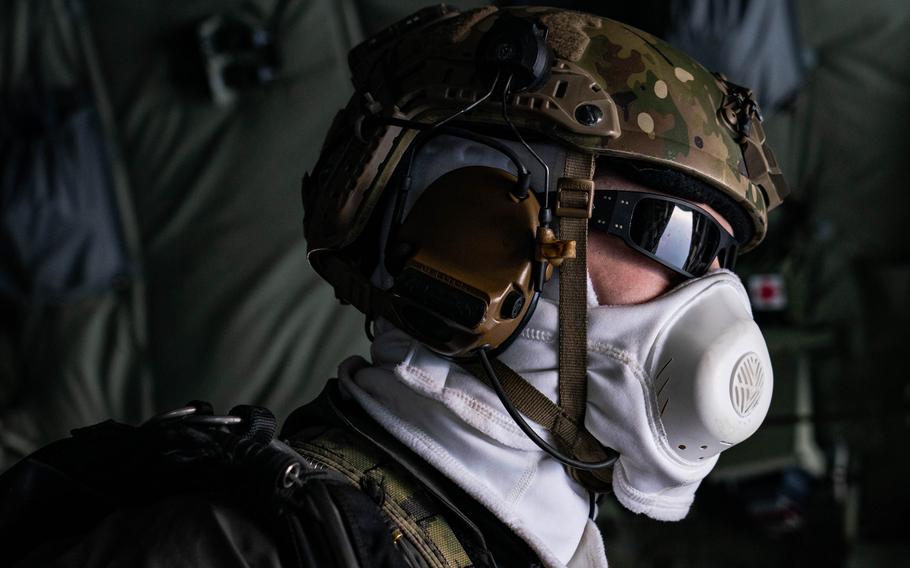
767	292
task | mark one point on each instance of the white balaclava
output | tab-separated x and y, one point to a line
671	383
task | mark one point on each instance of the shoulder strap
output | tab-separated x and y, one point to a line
64	490
485	540
416	517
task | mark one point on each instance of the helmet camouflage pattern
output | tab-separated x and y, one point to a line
613	90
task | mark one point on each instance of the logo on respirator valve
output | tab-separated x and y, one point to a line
746	384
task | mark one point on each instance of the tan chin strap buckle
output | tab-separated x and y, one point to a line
574	198
551	249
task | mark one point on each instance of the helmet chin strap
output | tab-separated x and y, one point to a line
574	204
586	460
513	390
575	197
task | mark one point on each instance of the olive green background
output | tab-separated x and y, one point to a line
226	308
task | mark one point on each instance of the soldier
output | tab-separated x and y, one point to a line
537	211
655	172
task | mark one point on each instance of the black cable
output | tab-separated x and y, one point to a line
612	454
546	168
546	214
471	106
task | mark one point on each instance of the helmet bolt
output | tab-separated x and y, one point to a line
589	115
512	304
504	52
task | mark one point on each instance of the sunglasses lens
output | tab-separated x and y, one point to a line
681	237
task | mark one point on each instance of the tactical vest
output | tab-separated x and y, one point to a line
338	491
436	524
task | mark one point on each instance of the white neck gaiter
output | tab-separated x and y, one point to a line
457	423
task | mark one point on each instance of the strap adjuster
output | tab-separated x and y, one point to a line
552	250
574	198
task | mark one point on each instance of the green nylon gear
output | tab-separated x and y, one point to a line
404	501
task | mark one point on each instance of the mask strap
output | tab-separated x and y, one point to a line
574	204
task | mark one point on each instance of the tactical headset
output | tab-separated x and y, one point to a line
472	255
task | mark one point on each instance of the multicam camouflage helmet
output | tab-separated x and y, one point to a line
613	91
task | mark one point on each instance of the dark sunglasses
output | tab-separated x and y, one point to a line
675	233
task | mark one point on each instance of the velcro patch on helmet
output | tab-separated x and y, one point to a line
459	29
566	37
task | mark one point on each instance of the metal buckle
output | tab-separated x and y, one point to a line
574	198
552	250
190	415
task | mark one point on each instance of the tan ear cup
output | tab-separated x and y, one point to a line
469	246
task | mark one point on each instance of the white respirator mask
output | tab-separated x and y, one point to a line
671	384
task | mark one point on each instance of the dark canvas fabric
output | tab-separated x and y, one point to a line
223	303
71	315
59	234
235	312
